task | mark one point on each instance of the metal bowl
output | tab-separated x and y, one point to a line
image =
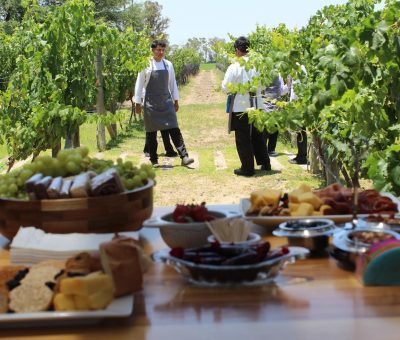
349	244
382	222
312	234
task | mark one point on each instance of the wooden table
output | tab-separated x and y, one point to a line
313	299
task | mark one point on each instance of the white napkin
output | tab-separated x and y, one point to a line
32	245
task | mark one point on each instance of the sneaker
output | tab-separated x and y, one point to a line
171	154
266	167
241	172
273	153
187	160
155	164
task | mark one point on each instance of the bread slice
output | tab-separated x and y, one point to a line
120	259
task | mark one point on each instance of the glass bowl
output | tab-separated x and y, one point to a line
206	275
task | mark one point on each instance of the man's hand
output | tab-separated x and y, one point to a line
176	104
138	108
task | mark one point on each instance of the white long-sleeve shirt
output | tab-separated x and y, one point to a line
237	74
276	89
144	77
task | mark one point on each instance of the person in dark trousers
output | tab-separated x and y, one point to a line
301	157
169	150
250	143
273	92
161	102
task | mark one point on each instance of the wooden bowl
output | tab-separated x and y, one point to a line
103	214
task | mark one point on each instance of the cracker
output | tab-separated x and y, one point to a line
7	273
3	301
30	297
41	275
50	263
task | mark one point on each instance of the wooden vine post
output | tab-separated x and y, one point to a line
101	110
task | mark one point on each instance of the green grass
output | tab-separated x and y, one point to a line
3	151
207	67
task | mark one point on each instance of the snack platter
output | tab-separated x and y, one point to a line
119	308
274	221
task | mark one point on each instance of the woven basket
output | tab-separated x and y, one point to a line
103	214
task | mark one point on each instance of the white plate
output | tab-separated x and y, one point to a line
274	221
119	308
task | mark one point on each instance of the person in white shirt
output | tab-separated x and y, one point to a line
250	143
157	84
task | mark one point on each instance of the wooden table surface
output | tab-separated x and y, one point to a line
312	299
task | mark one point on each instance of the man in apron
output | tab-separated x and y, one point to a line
250	143
160	103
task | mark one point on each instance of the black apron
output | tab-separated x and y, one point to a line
159	110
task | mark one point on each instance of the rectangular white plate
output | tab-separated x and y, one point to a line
119	308
274	221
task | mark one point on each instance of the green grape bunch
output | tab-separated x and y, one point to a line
71	162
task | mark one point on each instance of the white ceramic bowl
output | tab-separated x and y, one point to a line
251	239
185	235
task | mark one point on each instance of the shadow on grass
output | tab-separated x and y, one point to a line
134	130
260	173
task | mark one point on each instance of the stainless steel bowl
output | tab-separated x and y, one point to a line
349	244
312	234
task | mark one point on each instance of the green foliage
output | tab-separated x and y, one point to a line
384	168
48	78
186	62
124	55
351	91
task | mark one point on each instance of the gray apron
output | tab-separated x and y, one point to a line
159	110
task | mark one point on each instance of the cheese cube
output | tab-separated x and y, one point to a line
304	209
309	197
93	291
63	302
261	198
85	285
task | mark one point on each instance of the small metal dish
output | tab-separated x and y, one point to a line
348	244
312	234
382	222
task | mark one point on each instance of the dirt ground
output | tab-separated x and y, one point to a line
219	185
203	90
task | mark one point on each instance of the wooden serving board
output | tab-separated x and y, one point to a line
103	214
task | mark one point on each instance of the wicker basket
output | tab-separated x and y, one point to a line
103	214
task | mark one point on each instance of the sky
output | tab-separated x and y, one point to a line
216	18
